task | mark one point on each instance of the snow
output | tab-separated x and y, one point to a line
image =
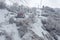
10	29
2	14
2	37
37	28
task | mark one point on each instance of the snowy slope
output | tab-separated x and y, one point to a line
30	27
37	27
10	29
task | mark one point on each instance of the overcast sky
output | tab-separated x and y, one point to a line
35	3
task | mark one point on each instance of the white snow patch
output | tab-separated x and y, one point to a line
11	29
2	37
2	14
37	28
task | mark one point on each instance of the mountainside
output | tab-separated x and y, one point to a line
24	23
